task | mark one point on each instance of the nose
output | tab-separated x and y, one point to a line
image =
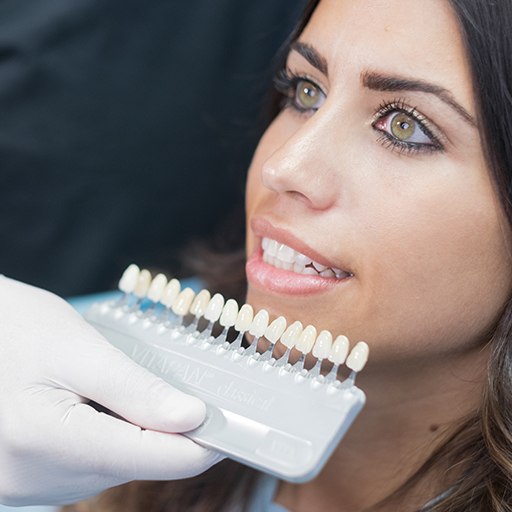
301	167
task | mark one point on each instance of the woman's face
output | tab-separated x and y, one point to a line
375	170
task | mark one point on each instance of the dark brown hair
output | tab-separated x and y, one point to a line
482	444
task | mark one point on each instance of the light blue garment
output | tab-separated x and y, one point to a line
4	508
263	499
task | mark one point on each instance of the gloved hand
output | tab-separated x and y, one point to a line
54	447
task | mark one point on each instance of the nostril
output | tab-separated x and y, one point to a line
294	194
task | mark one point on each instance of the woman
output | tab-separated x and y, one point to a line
389	167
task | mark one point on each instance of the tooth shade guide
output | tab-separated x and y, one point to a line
339	350
306	340
252	348
129	279
242	324
298	407
289	339
143	283
358	357
181	305
156	288
291	335
224	317
228	316
214	308
272	334
200	303
171	291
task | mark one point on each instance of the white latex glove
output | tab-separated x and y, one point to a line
54	447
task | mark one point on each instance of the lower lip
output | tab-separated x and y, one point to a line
270	278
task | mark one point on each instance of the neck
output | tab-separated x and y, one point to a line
410	410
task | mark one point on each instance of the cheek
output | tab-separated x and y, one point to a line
442	273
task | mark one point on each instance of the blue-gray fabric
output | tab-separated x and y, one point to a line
127	128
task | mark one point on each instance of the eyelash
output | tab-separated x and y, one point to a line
285	83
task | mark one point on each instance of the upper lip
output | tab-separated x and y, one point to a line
263	228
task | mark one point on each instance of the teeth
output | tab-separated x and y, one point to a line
244	318
339	350
259	323
323	345
291	335
306	340
273	246
275	329
200	303
278	263
285	253
358	356
302	260
319	267
143	282
229	313
170	293
183	302
298	267
284	257
214	308
157	287
129	279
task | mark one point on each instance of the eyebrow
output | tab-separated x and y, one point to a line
380	82
311	55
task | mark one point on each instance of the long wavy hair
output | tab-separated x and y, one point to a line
482	444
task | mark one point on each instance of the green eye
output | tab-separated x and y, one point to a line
308	96
403	126
406	129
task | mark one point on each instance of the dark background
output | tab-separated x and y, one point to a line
126	128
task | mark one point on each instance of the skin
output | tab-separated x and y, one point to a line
421	231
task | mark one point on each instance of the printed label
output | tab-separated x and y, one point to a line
165	364
232	392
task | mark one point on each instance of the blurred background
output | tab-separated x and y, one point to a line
126	129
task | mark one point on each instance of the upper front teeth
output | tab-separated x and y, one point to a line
282	256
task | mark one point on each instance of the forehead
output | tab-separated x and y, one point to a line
420	38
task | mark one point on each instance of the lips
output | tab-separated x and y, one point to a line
285	264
